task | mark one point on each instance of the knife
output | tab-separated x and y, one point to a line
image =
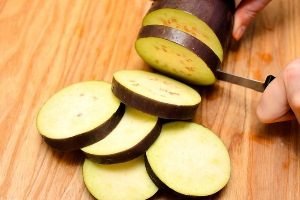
245	82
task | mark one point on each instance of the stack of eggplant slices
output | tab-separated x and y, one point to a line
137	132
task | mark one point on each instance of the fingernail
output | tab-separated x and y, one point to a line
240	31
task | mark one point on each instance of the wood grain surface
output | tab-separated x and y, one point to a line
46	45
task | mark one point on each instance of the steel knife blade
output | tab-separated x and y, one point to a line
245	82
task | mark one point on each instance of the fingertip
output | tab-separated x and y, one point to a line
262	113
262	117
239	32
242	19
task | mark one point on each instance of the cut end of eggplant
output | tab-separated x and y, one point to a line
123	181
186	39
177	54
200	168
79	115
155	94
187	23
131	138
216	14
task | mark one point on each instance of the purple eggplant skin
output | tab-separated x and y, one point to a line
183	39
166	193
134	152
217	14
150	106
79	141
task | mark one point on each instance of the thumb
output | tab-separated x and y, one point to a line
244	15
273	105
281	99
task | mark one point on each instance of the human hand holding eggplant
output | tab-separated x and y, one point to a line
245	13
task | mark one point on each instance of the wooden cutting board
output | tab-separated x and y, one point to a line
46	45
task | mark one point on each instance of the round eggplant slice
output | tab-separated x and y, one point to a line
79	115
177	54
200	168
216	14
156	94
123	181
187	23
131	138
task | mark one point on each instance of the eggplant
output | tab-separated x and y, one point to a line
200	28
189	160
216	14
131	138
156	94
79	115
122	181
177	54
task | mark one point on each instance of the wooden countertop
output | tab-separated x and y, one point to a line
46	45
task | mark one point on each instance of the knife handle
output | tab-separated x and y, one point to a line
268	80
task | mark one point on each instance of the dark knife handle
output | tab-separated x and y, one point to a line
268	80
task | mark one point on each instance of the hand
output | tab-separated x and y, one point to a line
245	13
281	99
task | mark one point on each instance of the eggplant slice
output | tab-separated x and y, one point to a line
201	166
79	115
177	54
156	94
216	14
131	138
186	39
123	181
187	23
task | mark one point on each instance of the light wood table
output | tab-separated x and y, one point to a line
46	45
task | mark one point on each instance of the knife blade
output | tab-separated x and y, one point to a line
245	82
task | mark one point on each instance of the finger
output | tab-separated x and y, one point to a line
245	13
291	77
286	117
273	105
